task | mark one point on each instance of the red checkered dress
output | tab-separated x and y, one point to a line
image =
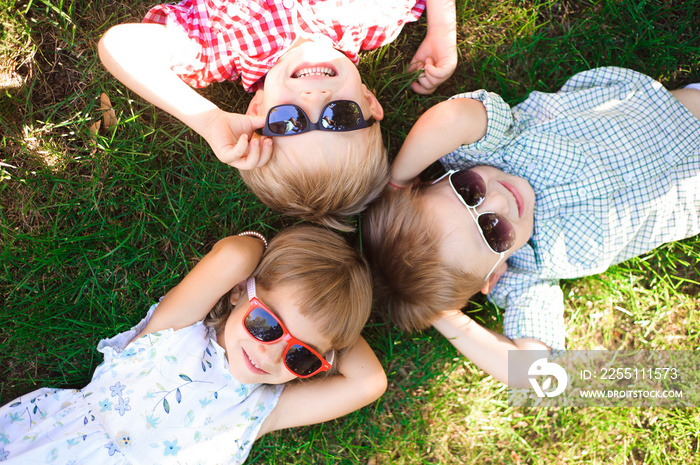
245	38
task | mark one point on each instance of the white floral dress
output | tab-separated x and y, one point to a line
167	397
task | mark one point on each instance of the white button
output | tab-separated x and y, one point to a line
288	4
582	191
627	177
668	157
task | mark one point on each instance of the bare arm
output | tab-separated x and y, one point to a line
360	380
439	131
437	54
139	56
690	98
487	349
230	261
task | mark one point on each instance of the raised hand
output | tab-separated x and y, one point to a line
234	142
436	58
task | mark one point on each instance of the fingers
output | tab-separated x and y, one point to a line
432	76
249	155
420	88
417	65
428	80
257	121
265	151
259	151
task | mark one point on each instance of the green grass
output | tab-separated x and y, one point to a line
91	235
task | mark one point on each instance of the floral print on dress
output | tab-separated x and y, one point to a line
165	398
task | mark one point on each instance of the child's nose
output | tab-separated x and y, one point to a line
316	95
314	101
273	352
495	201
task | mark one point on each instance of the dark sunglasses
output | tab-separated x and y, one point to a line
339	116
264	326
495	229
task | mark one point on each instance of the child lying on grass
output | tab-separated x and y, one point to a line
320	155
211	368
562	185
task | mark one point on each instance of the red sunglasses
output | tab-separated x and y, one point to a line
264	326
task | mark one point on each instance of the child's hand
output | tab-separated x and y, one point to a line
231	137
437	57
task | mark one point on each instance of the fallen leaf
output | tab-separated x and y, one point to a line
94	129
108	116
515	457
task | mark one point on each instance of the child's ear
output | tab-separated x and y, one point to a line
493	279
237	292
255	107
375	108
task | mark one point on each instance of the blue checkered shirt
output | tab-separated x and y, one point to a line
614	160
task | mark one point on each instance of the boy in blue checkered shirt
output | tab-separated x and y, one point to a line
560	186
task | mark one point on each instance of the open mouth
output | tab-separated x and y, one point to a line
314	71
252	363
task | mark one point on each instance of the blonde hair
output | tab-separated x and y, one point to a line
402	243
329	193
332	278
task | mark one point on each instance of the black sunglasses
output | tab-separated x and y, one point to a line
339	116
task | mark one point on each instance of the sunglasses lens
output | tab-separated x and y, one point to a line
301	360
262	325
286	119
470	186
497	231
341	116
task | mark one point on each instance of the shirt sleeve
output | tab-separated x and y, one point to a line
201	55
534	308
499	133
117	343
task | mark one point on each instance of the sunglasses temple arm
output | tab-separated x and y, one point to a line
443	176
250	285
500	257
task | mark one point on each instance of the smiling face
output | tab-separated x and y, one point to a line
462	245
251	361
311	75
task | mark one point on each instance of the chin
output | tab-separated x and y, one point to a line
312	52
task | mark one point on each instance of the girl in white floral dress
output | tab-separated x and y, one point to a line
205	373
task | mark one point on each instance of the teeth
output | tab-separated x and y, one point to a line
254	364
317	71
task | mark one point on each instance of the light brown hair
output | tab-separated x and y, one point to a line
402	243
332	278
329	193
